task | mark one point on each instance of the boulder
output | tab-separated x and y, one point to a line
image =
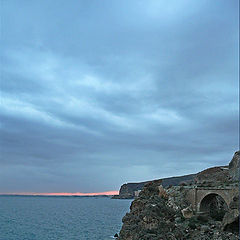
187	212
162	192
231	218
231	221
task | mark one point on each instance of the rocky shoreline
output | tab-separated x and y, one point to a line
168	213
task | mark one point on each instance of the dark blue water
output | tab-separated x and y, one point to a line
68	218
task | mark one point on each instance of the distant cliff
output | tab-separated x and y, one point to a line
130	190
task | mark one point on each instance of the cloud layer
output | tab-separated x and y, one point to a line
95	94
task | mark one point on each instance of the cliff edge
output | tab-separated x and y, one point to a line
131	190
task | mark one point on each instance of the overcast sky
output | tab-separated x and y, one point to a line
98	93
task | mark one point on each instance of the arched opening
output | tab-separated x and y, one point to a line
214	205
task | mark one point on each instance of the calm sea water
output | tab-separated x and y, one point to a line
55	218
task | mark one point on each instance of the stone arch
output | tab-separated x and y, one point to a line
214	204
207	199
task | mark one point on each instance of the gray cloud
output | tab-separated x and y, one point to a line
97	94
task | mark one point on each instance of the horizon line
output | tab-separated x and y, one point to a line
63	193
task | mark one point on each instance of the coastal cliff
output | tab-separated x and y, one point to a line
207	209
131	190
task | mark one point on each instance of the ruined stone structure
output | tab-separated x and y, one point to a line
199	197
221	182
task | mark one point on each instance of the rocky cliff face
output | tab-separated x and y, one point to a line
150	217
127	190
231	218
214	174
165	213
234	167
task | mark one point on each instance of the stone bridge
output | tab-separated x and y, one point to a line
199	197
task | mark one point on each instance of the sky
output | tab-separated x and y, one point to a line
95	94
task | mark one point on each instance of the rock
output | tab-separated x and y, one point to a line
205	228
149	217
187	212
234	167
231	218
162	192
116	235
213	175
150	222
231	221
234	204
178	219
176	198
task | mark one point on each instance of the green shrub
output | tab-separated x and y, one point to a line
192	225
202	218
193	222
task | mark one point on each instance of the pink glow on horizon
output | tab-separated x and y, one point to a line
65	193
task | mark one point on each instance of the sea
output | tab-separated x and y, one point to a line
60	218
